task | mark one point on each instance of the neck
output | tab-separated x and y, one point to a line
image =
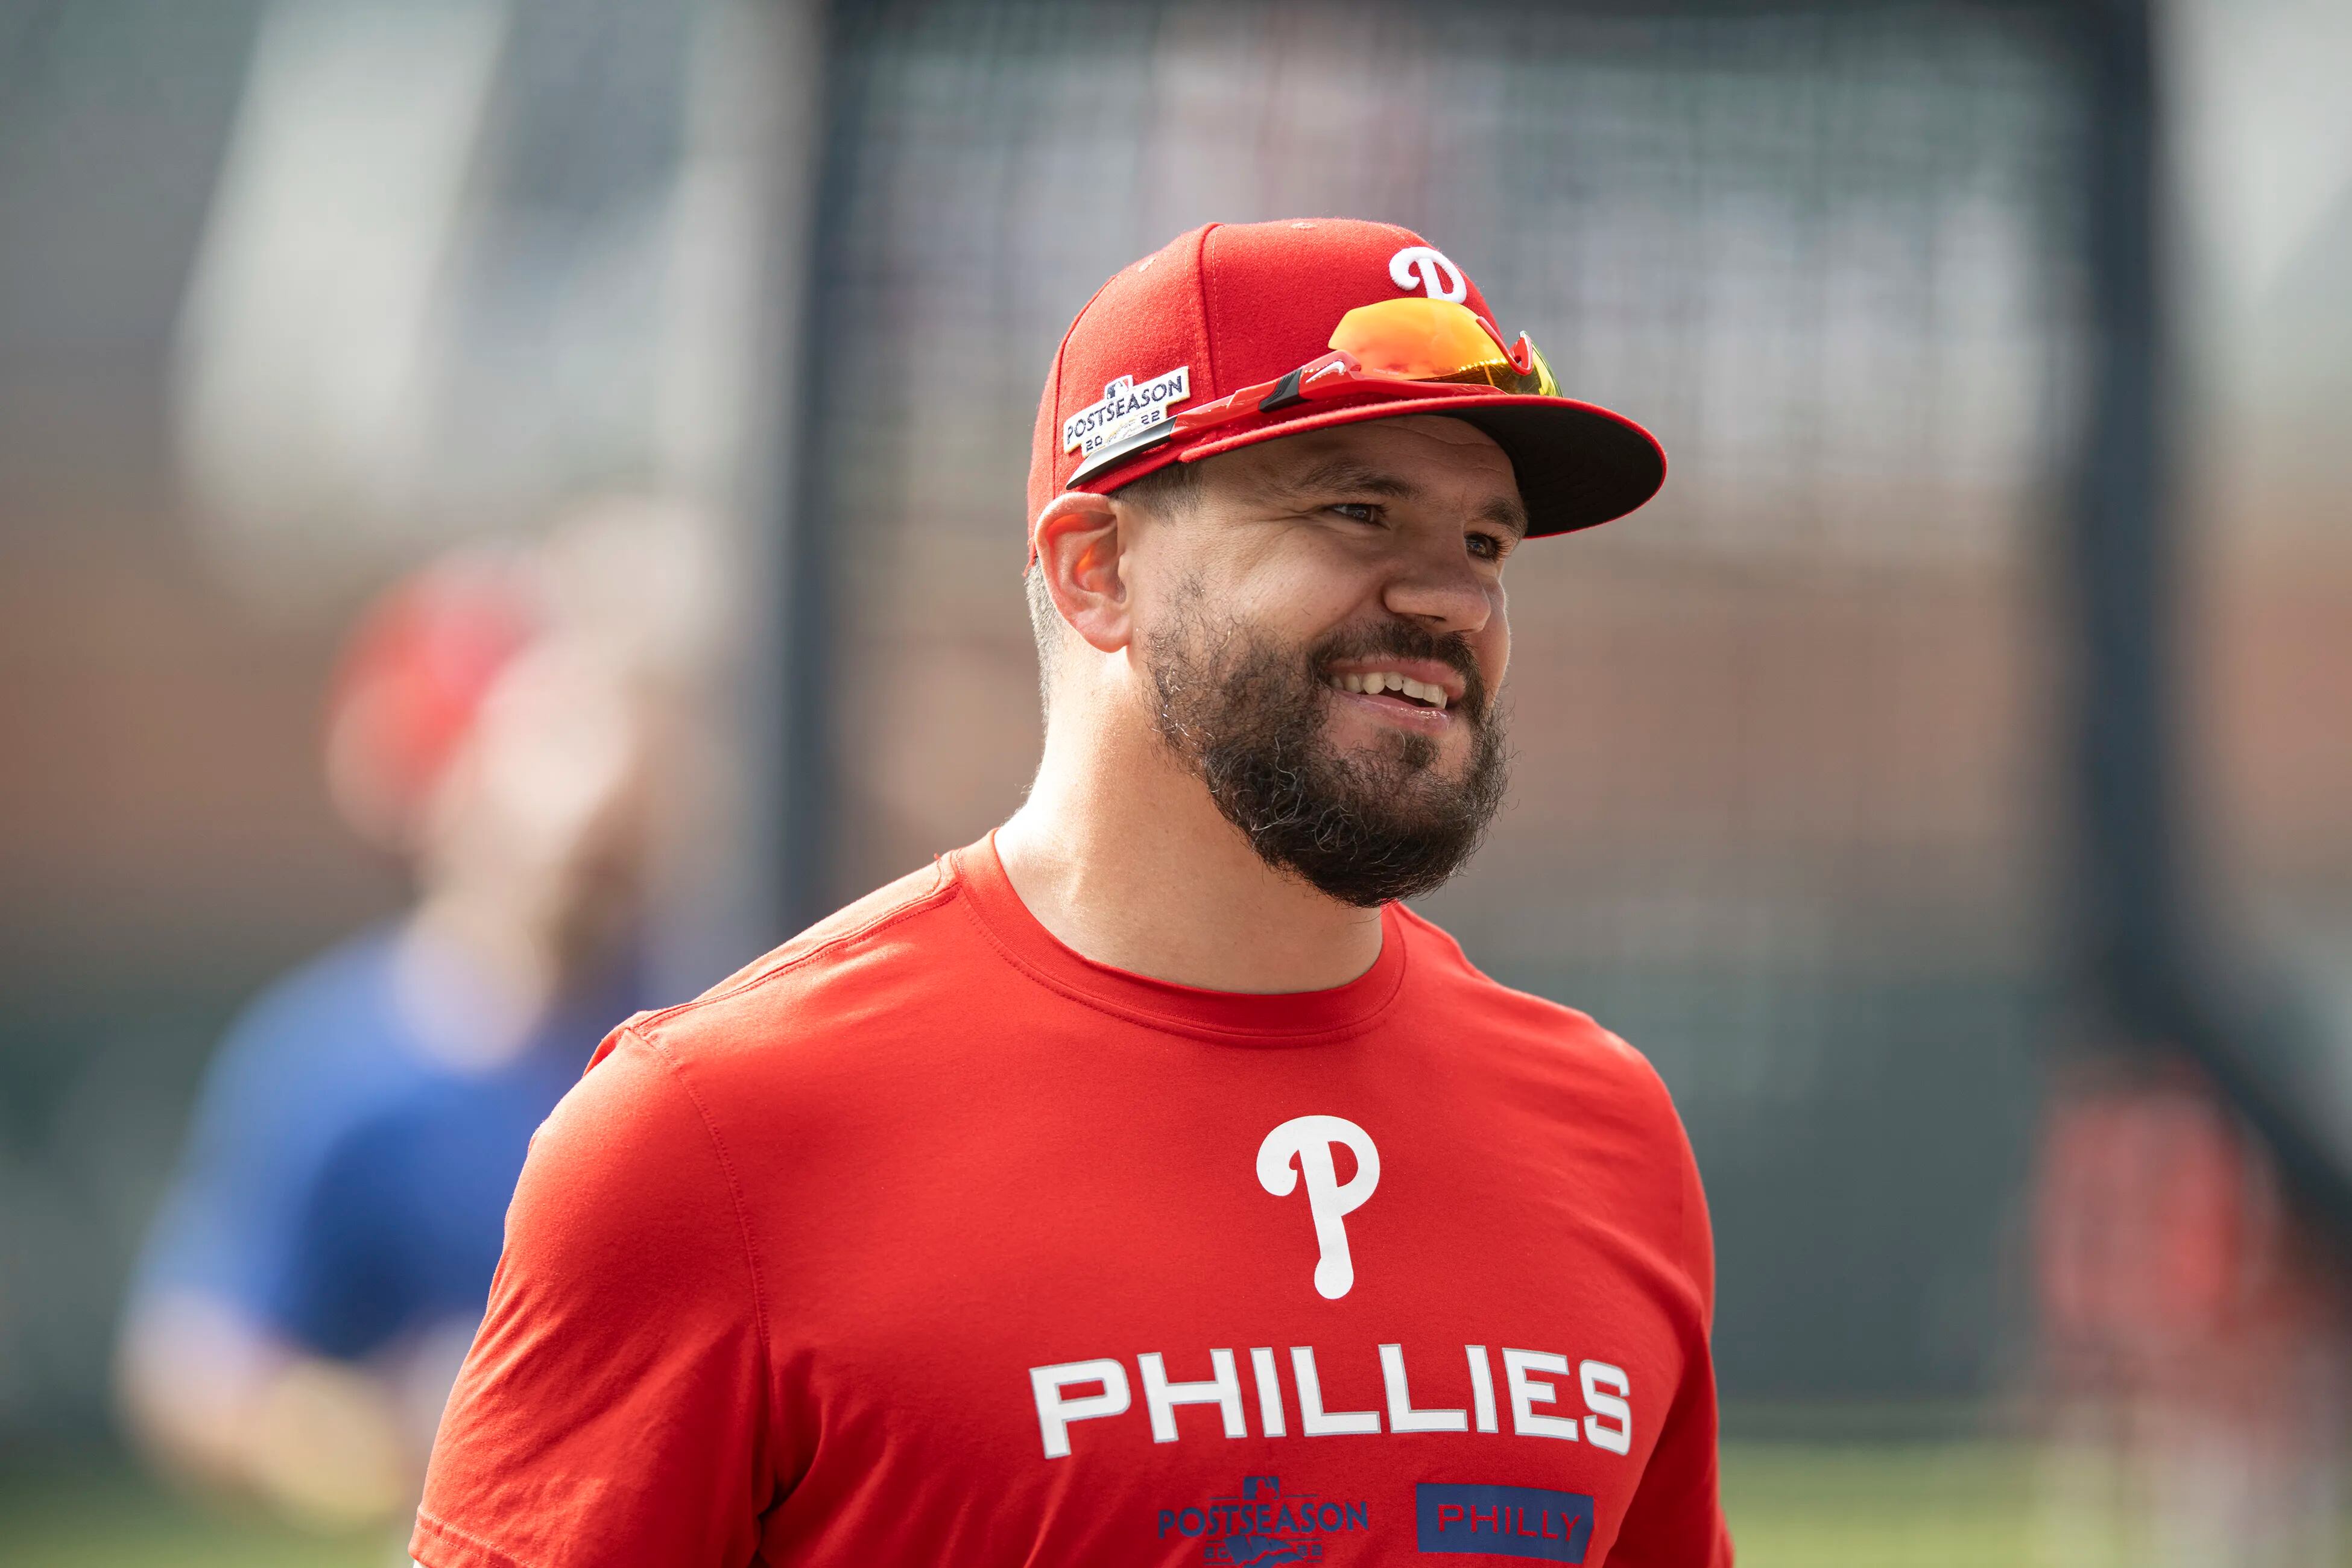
1119	853
473	986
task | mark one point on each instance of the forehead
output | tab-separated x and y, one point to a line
1428	459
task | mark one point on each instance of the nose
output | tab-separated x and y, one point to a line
1442	590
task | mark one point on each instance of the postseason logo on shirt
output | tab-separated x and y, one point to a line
1262	1526
1128	411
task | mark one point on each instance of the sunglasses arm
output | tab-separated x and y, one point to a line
1336	374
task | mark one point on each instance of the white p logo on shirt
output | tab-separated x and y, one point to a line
1308	1140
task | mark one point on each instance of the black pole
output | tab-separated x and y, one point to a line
2146	970
2123	549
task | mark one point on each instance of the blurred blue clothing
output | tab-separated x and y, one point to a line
344	1183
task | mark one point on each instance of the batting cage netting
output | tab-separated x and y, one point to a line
1785	784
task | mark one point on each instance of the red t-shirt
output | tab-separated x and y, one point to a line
927	1241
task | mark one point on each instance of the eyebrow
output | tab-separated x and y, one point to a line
1353	474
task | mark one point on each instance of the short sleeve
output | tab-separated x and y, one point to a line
1676	1520
613	1410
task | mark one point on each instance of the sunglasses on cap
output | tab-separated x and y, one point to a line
1437	346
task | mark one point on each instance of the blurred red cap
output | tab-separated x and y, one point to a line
410	684
1232	305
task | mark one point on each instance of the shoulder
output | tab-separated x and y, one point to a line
1599	1055
854	927
310	1049
1600	1083
1592	1080
316	1003
888	949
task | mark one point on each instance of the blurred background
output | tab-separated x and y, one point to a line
509	508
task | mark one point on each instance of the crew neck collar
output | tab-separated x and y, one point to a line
1287	1017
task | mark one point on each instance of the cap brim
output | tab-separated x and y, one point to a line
1577	464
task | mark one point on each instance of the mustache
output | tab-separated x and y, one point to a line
1398	638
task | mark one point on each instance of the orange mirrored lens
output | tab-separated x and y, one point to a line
1430	340
1422	340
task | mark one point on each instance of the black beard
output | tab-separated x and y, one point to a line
1250	717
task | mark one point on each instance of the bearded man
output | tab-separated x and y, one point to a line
1144	1183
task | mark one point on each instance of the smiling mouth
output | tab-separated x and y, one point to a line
1395	688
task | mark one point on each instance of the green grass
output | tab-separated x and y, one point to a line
1792	1505
1898	1505
96	1514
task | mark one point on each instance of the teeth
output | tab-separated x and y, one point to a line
1380	680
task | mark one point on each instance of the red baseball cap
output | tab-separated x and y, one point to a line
411	682
1236	333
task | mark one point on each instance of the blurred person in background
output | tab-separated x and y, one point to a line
2192	1320
319	1264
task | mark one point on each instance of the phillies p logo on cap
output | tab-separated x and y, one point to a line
1236	333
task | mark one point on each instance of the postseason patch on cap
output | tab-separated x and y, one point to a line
1128	416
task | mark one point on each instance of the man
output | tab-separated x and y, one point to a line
1144	1184
320	1263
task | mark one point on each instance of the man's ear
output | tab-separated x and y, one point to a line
1079	544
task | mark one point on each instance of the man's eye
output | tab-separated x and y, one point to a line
1361	510
1487	547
